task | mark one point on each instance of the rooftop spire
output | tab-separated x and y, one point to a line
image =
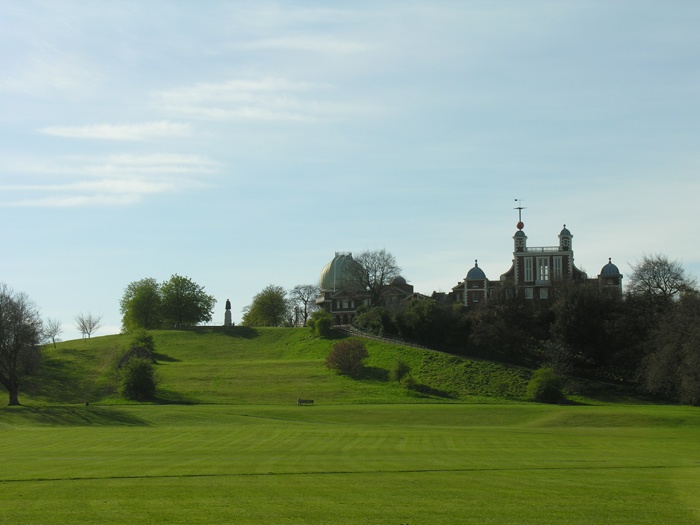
520	209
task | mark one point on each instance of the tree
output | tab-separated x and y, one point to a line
303	297
87	324
659	280
141	305
52	329
184	302
374	272
348	357
270	307
673	367
20	337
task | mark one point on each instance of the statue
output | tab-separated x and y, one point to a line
227	315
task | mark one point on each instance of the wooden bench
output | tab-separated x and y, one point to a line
301	401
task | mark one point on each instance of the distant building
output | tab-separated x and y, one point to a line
533	273
341	295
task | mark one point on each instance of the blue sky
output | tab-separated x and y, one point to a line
242	144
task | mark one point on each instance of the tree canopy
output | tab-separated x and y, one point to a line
176	302
185	303
141	305
270	307
374	272
20	337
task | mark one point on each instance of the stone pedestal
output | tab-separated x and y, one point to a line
227	318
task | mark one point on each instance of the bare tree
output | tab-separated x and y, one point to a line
659	280
52	329
374	272
87	324
303	297
20	336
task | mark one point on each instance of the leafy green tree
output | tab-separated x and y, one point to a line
185	303
270	307
348	357
580	323
141	305
20	339
320	323
424	321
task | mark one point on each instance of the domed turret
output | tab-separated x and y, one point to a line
476	272
565	239
398	281
338	273
610	270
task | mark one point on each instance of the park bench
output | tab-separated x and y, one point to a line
301	401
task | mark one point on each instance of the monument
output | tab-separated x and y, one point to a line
227	315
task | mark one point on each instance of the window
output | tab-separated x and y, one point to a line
528	293
544	293
528	269
542	269
557	268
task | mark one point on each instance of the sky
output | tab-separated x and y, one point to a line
243	143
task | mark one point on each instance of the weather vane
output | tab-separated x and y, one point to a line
520	209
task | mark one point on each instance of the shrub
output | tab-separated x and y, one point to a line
347	357
141	346
320	323
138	379
399	371
545	386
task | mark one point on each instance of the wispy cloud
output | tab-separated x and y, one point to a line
268	99
144	131
114	180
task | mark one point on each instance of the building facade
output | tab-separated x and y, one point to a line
534	272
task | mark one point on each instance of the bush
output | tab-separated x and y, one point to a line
320	323
141	346
399	371
545	387
138	379
347	357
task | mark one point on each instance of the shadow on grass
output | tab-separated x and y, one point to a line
74	416
162	358
59	380
241	332
428	391
372	373
170	397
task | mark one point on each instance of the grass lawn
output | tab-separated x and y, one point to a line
373	463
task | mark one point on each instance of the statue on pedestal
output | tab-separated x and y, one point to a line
227	315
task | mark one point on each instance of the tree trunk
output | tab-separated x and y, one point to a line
14	396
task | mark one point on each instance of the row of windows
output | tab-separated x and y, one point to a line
540	265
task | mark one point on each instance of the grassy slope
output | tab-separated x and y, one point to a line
265	366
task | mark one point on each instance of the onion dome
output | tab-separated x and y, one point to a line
476	272
610	270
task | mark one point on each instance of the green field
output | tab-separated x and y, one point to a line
368	452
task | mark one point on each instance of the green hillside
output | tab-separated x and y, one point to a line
243	365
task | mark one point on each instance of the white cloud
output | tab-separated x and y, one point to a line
144	131
115	180
267	99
